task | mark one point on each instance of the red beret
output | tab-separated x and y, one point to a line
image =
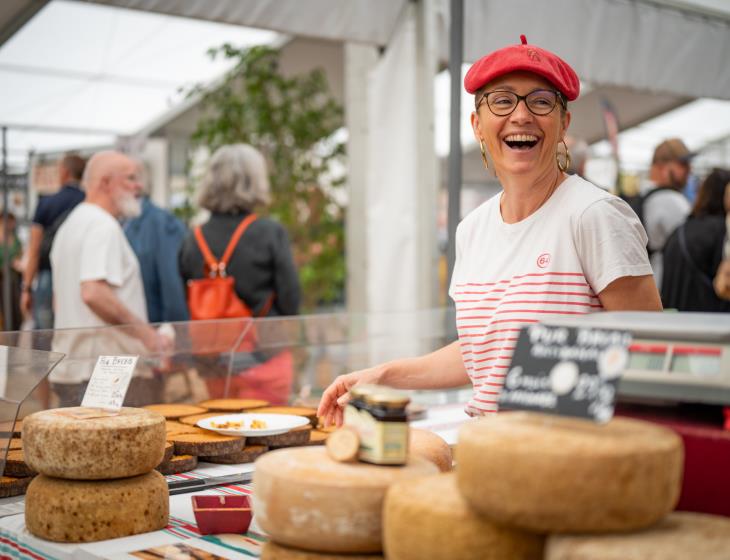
523	57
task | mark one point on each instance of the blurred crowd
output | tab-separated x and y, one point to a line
135	262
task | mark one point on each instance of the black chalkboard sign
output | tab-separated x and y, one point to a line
567	371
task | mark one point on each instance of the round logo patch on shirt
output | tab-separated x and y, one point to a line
543	260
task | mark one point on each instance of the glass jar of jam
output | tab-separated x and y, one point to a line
384	433
356	405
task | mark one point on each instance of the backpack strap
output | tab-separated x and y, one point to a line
215	267
706	280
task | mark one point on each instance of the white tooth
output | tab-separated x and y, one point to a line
521	138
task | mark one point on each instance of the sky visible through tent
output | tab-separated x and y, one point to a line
102	71
83	73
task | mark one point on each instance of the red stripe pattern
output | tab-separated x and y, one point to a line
489	316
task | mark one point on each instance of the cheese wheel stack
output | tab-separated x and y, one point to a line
305	500
551	474
97	478
520	476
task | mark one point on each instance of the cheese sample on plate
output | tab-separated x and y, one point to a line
72	443
428	519
679	536
555	474
96	510
306	500
426	444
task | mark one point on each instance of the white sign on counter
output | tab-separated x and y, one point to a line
109	382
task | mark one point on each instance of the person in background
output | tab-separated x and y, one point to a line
548	244
97	282
156	237
265	277
693	253
664	205
15	255
51	210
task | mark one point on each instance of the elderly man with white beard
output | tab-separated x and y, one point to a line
97	280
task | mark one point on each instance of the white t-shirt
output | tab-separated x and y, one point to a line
664	212
91	245
554	262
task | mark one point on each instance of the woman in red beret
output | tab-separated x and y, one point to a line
549	244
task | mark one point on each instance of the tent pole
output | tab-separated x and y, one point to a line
7	305
456	48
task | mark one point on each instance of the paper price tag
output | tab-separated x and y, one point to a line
566	371
109	382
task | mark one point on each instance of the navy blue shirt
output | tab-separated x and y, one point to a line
155	237
51	207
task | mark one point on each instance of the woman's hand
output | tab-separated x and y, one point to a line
336	396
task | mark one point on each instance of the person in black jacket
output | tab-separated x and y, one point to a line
235	184
693	252
265	276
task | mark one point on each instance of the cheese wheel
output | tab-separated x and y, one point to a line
295	436
87	511
273	551
554	474
304	499
55	443
247	455
11	486
427	518
178	464
232	405
175	411
679	536
208	443
195	418
426	444
16	466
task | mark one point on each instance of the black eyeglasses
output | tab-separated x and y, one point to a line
539	102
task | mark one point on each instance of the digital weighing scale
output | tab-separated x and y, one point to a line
682	357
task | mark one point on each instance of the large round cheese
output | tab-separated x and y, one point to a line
679	536
95	510
428	519
57	443
554	474
273	551
304	499
426	444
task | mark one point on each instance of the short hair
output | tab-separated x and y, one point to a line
74	164
236	180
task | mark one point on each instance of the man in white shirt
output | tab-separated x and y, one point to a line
97	280
667	208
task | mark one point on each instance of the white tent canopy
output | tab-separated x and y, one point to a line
646	56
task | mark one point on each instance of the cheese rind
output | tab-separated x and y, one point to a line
554	474
428	519
679	536
273	551
426	444
304	499
57	444
88	511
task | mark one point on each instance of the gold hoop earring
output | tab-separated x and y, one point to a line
484	154
564	166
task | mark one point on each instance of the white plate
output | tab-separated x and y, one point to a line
275	424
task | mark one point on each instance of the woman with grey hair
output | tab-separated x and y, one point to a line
235	184
261	265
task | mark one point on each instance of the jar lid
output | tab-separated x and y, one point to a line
388	398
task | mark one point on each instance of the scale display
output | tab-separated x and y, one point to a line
700	361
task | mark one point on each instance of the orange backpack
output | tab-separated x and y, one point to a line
214	297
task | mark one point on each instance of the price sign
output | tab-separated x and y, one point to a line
109	382
566	371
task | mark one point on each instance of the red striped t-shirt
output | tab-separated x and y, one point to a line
554	262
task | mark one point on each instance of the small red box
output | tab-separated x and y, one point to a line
222	514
